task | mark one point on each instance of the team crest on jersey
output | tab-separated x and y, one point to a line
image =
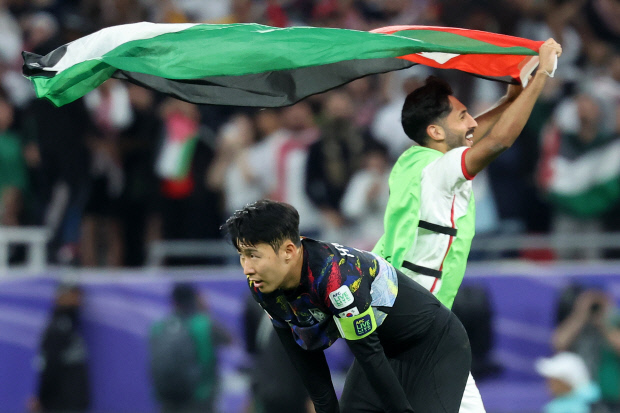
342	297
349	313
317	314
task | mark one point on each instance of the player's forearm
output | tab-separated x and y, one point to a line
567	332
314	372
488	119
514	117
370	355
506	130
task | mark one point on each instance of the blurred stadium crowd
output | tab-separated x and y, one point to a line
93	172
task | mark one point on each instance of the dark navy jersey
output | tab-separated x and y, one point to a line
337	283
357	295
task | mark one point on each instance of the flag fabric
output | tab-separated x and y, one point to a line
263	66
177	151
579	179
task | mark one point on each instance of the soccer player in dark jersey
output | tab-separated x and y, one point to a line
411	353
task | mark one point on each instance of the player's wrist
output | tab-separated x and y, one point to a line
544	72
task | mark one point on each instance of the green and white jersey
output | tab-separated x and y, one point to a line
430	218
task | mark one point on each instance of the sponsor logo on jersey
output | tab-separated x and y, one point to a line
363	325
342	297
317	314
349	313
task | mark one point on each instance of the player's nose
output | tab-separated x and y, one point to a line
248	269
472	122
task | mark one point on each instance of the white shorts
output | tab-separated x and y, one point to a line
472	401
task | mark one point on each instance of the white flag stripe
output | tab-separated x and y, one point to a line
439	57
529	64
99	43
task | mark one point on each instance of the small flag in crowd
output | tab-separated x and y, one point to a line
263	66
580	179
175	157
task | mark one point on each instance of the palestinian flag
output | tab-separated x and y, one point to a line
582	180
256	65
175	156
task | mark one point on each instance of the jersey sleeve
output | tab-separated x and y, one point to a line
347	293
370	355
448	171
352	313
314	372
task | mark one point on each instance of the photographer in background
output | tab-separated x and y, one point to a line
588	324
62	362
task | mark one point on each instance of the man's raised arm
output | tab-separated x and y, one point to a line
513	119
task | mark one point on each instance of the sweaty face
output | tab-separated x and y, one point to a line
459	126
265	269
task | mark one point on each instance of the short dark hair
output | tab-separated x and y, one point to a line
265	221
424	106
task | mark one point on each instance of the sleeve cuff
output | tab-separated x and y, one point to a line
466	174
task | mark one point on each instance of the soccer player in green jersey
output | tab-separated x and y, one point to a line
429	220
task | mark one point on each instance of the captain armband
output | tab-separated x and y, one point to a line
357	326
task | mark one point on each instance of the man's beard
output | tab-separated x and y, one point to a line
454	140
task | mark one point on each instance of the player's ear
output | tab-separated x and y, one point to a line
290	249
435	132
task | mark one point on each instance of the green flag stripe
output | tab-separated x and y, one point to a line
73	83
592	202
463	44
278	49
257	51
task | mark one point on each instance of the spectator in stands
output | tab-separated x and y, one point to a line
588	324
579	172
13	173
366	196
57	158
233	170
64	384
366	101
189	209
102	230
138	205
291	165
386	126
183	356
333	159
569	383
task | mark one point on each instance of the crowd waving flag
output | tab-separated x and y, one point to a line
263	66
